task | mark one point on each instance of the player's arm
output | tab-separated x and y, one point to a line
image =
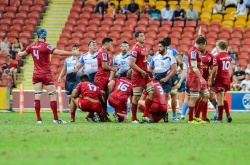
78	66
107	67
179	59
66	53
182	76
134	66
171	74
194	66
75	93
62	74
111	85
214	72
143	96
23	53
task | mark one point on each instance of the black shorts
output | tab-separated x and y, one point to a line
92	77
165	85
70	86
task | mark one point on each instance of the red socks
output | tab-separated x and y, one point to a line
196	106
53	105
141	108
148	104
204	112
226	107
200	108
37	108
190	113
220	112
72	115
134	111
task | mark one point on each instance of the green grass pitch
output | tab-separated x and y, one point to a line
23	142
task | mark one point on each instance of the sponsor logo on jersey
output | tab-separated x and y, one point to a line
214	61
193	55
50	47
246	101
134	53
104	56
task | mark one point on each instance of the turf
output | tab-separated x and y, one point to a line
24	142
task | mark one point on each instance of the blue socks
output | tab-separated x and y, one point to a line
214	103
184	108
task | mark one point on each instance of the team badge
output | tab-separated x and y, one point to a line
104	56
193	55
134	53
50	47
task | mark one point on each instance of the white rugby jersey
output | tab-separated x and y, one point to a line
70	63
90	62
122	60
163	64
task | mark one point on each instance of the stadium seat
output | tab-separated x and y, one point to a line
34	15
190	24
85	16
164	28
234	42
107	22
18	22
119	22
101	34
88	9
189	29
239	23
92	28
141	28
178	23
31	22
114	35
89	34
151	35
185	41
73	15
224	35
144	17
214	29
142	22
212	35
10	9
126	35
205	17
203	23
236	35
108	17
21	16
209	4
215	24
238	29
117	29
96	22
175	35
176	29
226	29
105	29
28	28
130	29
150	41
154	23
26	36
71	22
76	9
229	17
130	23
242	17
96	17
217	17
120	17
89	4
36	8
209	48
166	23
15	28
133	17
230	10
187	35
82	22
4	2
9	15
227	24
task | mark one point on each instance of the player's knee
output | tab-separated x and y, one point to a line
38	92
52	93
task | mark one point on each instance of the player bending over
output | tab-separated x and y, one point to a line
158	109
87	97
121	88
221	79
42	77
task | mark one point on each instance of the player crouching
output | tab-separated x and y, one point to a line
121	88
87	97
158	109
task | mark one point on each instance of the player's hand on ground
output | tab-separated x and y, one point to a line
143	74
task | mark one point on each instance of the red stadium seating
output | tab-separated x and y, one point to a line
153	28
130	29
190	24
120	17
107	22
178	23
